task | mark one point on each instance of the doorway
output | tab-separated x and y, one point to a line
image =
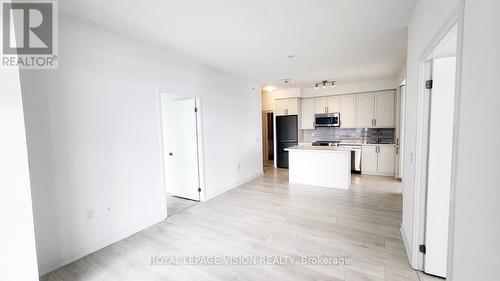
437	147
180	119
268	138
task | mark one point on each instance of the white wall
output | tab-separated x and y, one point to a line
350	88
17	237
339	89
287	93
476	227
428	17
93	130
267	101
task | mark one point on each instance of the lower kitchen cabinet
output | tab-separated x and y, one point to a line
378	159
369	159
386	155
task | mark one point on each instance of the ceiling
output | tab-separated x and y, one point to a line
344	40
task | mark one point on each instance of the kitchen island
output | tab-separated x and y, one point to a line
320	165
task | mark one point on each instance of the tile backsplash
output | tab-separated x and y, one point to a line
358	134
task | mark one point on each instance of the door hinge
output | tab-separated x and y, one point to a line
196	109
422	249
428	84
199	189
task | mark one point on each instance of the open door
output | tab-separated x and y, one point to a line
181	148
440	145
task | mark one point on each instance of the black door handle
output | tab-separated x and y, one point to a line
170	154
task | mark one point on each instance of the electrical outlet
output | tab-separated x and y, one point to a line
90	214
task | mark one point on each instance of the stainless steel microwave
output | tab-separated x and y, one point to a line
327	120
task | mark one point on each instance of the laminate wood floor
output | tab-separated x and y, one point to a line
267	217
176	205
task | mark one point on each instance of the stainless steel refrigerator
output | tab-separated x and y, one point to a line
286	136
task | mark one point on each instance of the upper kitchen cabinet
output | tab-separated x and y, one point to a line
384	109
326	104
347	109
320	105
332	104
307	112
286	106
365	113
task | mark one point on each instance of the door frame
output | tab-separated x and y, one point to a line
164	95
422	137
264	134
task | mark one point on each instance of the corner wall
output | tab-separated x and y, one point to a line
428	18
93	129
17	237
475	252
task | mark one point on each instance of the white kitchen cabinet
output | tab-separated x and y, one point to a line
280	107
320	105
384	109
378	159
326	104
307	113
386	155
332	104
369	159
365	111
286	106
347	109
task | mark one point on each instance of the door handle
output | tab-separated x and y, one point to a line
170	154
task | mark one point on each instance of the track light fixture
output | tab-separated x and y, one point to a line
324	83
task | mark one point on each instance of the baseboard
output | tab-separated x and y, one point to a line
377	174
208	197
405	243
82	252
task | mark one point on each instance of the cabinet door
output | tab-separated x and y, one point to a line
332	104
320	105
292	106
347	109
365	111
369	159
307	117
280	107
384	109
386	156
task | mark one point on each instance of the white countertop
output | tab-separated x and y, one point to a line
349	143
317	148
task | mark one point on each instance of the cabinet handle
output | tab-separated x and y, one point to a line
373	122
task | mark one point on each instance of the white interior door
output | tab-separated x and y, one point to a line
181	149
439	165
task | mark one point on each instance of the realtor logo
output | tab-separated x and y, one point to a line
29	34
